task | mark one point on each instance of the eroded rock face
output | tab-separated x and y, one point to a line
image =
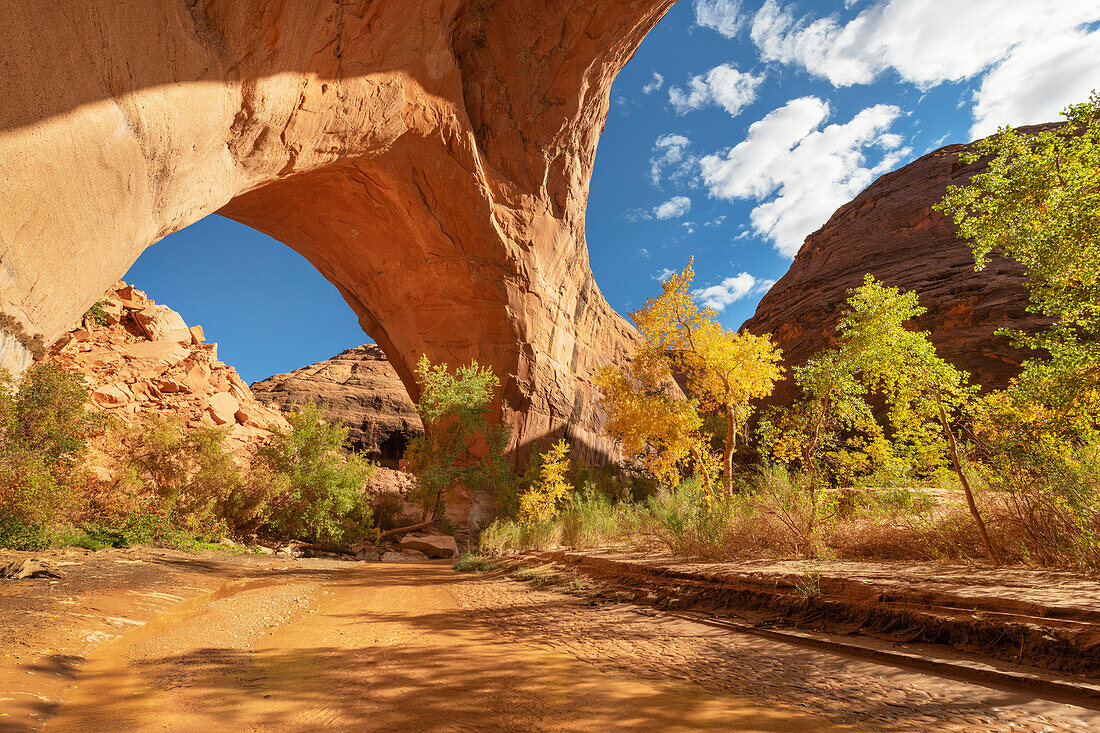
144	362
890	231
358	388
430	157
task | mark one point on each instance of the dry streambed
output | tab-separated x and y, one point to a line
139	640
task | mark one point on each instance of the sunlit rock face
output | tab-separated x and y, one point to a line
430	157
357	388
891	231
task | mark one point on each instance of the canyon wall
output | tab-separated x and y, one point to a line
430	157
357	388
891	231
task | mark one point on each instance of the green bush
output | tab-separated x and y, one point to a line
178	483
97	314
474	562
44	431
316	487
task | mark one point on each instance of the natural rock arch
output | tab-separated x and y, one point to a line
430	157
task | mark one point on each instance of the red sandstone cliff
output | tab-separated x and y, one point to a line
358	388
890	231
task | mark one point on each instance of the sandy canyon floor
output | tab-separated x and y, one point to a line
151	640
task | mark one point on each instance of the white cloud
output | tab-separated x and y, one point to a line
731	290
1037	81
663	275
800	172
723	85
723	16
689	227
670	152
655	83
1037	56
643	252
674	208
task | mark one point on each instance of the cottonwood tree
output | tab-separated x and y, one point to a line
924	394
725	370
1038	202
653	424
831	429
459	446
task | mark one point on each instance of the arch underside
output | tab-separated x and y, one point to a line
431	159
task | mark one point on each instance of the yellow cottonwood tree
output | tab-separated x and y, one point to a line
653	425
725	369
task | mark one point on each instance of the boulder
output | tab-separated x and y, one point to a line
196	378
29	568
112	310
159	352
161	323
112	395
222	408
432	545
197	336
403	556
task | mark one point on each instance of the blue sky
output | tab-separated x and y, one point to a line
735	131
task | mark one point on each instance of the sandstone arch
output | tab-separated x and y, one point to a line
430	157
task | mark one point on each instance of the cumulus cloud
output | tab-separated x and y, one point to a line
663	275
654	84
670	152
674	208
1037	56
800	172
731	290
1038	81
723	16
723	85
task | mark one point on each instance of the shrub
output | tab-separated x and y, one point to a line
97	314
541	502
44	430
316	487
507	536
473	562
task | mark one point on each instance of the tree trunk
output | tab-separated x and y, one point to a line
727	453
706	476
954	449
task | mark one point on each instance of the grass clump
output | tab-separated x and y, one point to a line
474	562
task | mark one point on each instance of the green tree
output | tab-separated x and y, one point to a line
831	430
44	431
1038	202
924	394
459	445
